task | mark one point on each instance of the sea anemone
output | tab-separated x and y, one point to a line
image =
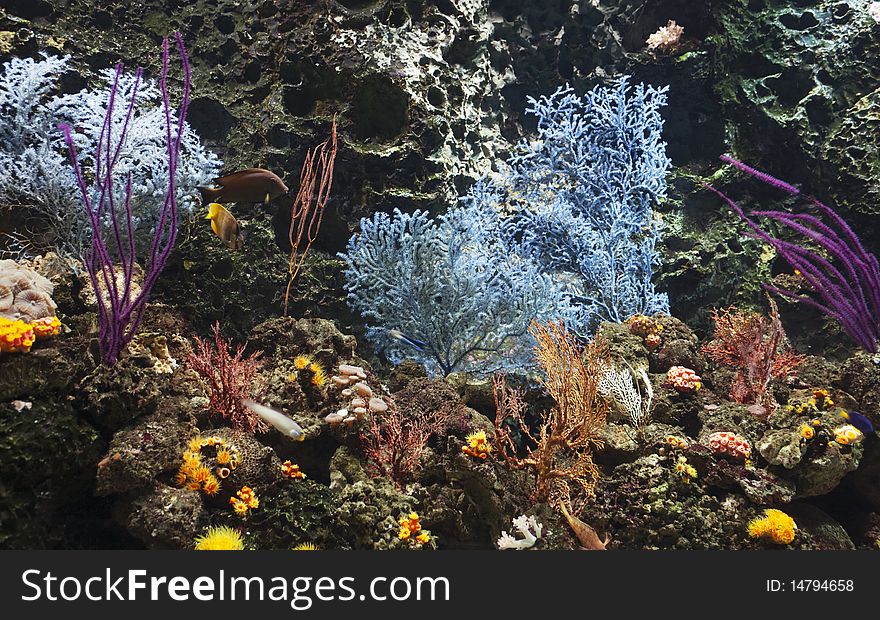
306	546
222	538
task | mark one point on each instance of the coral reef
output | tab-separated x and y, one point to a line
636	426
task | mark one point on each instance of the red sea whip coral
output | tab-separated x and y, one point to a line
845	278
756	347
120	306
230	378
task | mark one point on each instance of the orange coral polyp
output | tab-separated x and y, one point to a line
15	336
47	326
683	379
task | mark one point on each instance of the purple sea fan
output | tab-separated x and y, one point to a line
112	265
845	277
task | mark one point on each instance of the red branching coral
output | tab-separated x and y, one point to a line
230	377
756	346
393	443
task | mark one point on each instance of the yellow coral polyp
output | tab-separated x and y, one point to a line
291	470
319	375
301	362
221	538
15	336
477	445
46	326
807	431
687	471
822	399
676	442
775	526
211	486
306	546
201	474
847	434
197	472
245	501
411	530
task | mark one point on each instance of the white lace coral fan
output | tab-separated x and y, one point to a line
667	38
529	528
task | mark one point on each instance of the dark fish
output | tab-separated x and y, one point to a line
251	185
224	225
860	421
398	335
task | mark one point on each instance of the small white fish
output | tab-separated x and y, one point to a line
399	335
277	419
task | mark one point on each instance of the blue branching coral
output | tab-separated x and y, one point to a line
567	233
461	300
579	199
35	170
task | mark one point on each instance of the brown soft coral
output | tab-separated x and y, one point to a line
24	294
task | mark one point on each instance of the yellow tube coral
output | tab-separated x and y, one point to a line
221	538
15	336
775	526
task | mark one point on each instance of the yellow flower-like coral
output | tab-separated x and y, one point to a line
775	526
301	362
412	532
847	434
319	375
16	336
47	326
221	538
807	431
646	327
197	473
685	470
245	501
308	370
291	470
307	546
477	445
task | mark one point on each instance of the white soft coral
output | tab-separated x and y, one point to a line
529	528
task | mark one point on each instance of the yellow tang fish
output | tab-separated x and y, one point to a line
224	225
